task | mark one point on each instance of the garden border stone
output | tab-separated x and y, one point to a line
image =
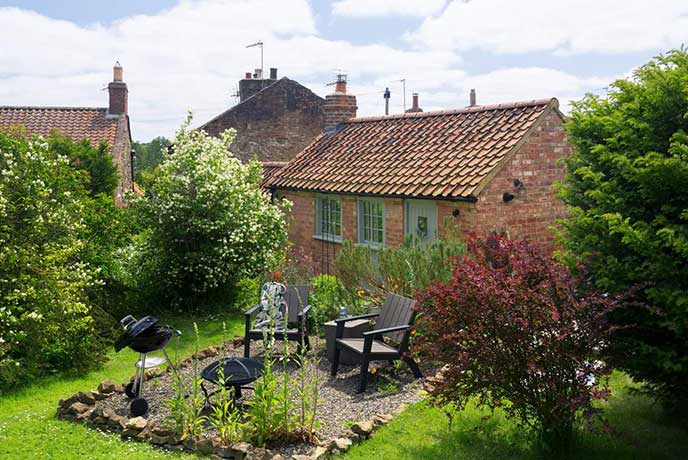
80	408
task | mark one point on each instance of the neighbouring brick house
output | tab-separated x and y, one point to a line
97	124
275	119
374	180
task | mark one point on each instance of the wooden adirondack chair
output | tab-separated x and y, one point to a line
297	312
394	321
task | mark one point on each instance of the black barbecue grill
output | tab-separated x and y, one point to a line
143	336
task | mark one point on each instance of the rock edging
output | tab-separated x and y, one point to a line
80	408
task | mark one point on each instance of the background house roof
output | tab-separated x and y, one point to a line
76	122
443	154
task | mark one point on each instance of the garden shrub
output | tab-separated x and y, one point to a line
45	313
208	221
328	296
247	293
517	330
414	265
298	267
626	193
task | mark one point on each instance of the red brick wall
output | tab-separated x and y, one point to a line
535	209
394	221
273	125
530	215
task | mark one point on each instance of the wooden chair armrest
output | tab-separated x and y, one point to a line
376	332
352	318
305	311
342	321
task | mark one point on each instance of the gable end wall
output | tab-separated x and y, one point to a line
121	153
535	209
273	125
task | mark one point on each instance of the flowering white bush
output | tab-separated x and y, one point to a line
44	311
209	221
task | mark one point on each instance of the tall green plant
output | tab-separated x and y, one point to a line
187	404
225	416
414	265
209	222
45	313
626	193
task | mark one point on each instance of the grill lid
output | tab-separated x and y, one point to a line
135	329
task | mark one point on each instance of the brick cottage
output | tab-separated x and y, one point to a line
109	125
374	180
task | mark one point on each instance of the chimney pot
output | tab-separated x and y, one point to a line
473	98
273	73
340	87
117	72
247	76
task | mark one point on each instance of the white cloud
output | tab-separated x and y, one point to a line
562	26
367	8
450	89
192	56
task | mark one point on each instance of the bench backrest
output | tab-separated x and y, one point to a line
396	311
296	297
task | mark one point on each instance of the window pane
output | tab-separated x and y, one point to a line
372	222
329	217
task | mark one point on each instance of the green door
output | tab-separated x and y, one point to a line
421	219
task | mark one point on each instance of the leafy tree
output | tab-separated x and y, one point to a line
149	155
97	163
208	221
516	330
45	322
626	192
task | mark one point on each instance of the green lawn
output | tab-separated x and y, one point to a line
644	432
29	430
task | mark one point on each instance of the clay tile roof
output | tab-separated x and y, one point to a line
76	122
442	154
270	168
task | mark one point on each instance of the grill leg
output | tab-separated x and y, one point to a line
142	376
169	361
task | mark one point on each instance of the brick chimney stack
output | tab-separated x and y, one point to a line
415	108
254	82
339	106
118	92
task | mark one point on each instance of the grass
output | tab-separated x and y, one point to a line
29	429
643	430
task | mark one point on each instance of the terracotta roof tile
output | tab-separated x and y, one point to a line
76	122
270	168
433	154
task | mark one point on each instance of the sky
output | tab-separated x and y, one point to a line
181	55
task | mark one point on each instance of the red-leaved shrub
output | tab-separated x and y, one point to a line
517	330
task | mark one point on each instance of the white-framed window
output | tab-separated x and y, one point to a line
371	221
328	217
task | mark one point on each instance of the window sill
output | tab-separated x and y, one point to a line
373	246
329	239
